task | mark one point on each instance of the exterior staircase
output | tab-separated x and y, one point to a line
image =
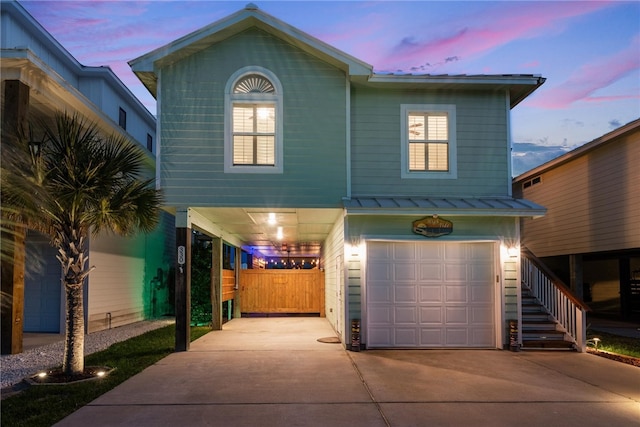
553	318
539	330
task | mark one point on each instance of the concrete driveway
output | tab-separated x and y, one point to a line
274	372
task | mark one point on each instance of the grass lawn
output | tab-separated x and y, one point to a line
616	344
46	405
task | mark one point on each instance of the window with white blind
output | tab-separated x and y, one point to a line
253	122
428	141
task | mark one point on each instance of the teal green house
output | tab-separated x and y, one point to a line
275	144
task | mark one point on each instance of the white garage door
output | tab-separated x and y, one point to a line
430	295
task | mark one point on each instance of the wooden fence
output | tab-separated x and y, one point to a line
282	291
228	285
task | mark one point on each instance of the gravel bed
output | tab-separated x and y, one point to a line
15	367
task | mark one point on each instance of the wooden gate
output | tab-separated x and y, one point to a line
282	291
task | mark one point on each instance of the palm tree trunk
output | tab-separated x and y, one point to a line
71	255
73	362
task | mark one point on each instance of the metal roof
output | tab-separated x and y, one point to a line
467	206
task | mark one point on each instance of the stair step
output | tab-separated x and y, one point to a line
547	345
538	329
536	318
542	335
538	326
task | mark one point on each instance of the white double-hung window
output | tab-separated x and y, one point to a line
428	141
253	122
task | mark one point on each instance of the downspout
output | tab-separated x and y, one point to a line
348	134
510	142
158	129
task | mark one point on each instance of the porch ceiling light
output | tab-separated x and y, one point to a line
279	234
272	218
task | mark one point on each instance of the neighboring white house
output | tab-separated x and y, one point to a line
590	236
280	145
131	281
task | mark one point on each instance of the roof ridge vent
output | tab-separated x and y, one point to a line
251	6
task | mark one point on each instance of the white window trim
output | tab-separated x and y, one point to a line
276	99
450	109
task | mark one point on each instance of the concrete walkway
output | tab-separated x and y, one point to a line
274	372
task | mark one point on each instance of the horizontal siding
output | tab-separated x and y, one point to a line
115	287
592	203
314	122
332	259
482	145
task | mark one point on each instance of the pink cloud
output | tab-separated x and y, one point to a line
498	26
592	77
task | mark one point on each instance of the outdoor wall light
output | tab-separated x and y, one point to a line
512	251
353	249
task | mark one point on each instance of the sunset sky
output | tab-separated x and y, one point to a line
588	51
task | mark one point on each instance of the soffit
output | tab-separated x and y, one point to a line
304	230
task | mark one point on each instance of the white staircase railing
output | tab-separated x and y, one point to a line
566	308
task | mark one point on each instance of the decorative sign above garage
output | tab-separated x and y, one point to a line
432	226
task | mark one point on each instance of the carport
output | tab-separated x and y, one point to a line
259	232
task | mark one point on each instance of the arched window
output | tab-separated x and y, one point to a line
253	122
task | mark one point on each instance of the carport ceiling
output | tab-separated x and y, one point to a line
303	230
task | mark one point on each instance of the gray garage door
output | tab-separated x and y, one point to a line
430	295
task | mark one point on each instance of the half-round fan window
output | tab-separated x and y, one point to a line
254	83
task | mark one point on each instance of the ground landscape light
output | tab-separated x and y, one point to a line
42	374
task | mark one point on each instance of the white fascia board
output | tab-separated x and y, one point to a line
245	19
498	80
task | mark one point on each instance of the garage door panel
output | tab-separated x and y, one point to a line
430	271
456	337
381	271
481	294
380	335
405	272
431	315
405	293
405	315
455	252
380	294
430	253
479	337
456	294
378	251
404	252
481	316
456	315
438	295
480	252
455	272
431	337
406	337
430	294
381	315
480	272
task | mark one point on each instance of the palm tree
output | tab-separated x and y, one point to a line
85	183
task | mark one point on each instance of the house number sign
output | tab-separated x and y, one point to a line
432	226
181	255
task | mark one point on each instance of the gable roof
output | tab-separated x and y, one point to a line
144	66
518	86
